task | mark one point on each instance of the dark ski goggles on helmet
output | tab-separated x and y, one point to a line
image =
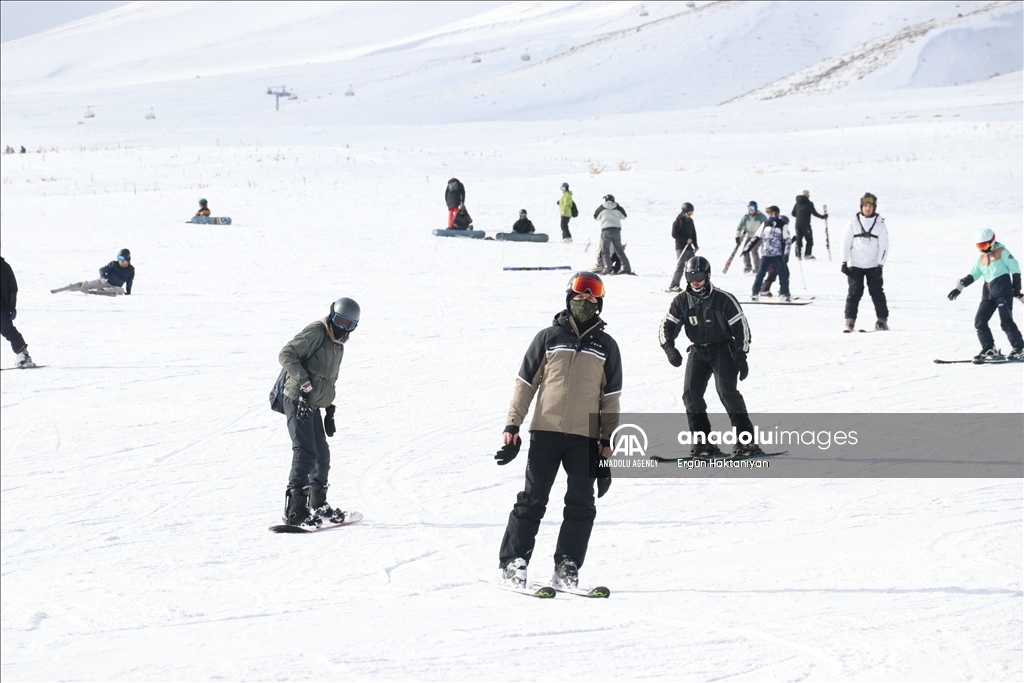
696	276
344	323
587	285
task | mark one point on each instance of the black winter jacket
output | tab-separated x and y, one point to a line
802	212
462	220
682	230
453	196
523	226
117	276
711	321
8	288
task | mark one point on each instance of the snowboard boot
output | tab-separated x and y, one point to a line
882	325
1015	354
567	574
705	451
514	573
850	323
319	506
296	510
749	450
23	359
988	355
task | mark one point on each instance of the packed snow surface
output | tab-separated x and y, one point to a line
142	467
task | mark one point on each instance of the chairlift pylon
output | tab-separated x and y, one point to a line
526	56
150	116
350	92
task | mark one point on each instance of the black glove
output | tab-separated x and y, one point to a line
675	358
825	217
302	409
508	452
329	427
844	269
879	270
953	294
603	484
741	364
738	240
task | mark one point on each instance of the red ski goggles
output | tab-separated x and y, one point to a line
587	285
986	246
343	322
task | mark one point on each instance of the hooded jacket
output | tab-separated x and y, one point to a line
315	355
610	214
574	373
999	271
454	193
565	204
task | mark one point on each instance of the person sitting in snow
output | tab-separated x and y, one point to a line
523	226
204	209
454	197
116	278
462	220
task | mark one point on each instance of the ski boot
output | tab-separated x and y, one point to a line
742	451
566	240
850	324
23	359
514	573
786	298
705	451
988	355
297	512
748	269
567	575
319	506
1016	354
755	297
675	288
882	325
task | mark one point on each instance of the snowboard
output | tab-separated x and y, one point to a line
537	268
30	367
210	220
350	518
472	234
521	237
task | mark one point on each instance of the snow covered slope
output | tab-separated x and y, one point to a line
141	468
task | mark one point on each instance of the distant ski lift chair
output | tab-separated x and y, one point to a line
150	116
643	11
476	59
350	92
88	113
526	56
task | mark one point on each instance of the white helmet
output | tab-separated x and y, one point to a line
985	239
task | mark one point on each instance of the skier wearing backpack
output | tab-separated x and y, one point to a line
774	241
312	361
1000	273
454	196
802	212
566	211
684	232
865	249
8	312
574	369
720	339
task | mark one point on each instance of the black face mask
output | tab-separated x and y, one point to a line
338	333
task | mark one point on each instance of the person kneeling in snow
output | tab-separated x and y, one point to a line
462	220
523	226
1000	272
116	278
204	208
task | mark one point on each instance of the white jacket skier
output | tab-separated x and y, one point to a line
866	242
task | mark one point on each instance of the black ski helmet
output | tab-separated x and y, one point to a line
609	198
687	206
578	284
126	254
752	203
344	314
565	186
698	268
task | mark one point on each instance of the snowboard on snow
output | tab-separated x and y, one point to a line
350	518
521	237
210	220
472	234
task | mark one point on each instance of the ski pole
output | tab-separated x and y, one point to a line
828	247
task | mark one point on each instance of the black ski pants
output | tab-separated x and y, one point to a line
986	309
682	257
701	364
10	332
548	451
780	267
565	228
803	232
311	456
856	278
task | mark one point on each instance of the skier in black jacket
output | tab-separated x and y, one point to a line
684	232
9	306
113	276
802	212
523	226
454	195
715	324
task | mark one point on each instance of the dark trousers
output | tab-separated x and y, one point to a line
10	332
803	232
780	267
987	307
548	451
856	278
565	228
701	364
311	457
682	256
770	276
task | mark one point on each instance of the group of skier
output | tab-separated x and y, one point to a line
459	219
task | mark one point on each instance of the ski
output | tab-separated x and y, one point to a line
595	592
870	331
948	362
731	257
27	367
544	592
996	361
796	301
722	456
350	518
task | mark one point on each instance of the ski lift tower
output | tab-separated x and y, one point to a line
278	94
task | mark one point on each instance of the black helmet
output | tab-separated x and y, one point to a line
585	282
698	269
752	203
609	198
687	206
522	212
565	186
127	255
344	314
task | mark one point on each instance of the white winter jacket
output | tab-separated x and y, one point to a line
866	242
610	214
